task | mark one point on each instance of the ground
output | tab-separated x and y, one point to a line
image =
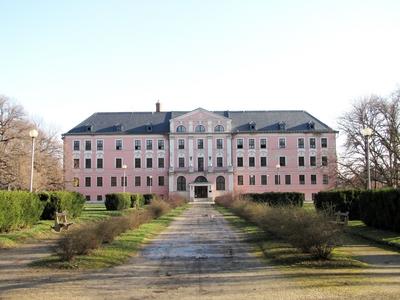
200	257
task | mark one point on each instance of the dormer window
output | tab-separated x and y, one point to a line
200	128
282	125
311	125
252	126
89	128
180	128
149	127
219	128
118	127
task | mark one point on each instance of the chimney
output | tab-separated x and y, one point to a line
158	106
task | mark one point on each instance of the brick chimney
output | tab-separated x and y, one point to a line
158	106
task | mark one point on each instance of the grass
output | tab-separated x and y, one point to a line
383	237
278	252
309	206
42	230
117	252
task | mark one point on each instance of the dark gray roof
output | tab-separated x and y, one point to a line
158	122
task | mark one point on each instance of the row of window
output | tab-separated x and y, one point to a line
282	143
288	179
200	128
123	181
118	145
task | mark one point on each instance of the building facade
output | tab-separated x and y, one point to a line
199	154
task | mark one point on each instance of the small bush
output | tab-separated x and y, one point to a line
118	201
137	200
60	201
339	201
18	209
148	198
278	199
175	201
158	207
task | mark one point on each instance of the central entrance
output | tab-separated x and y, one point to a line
201	191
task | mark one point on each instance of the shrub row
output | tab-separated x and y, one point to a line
278	199
118	201
306	230
18	209
83	239
339	201
60	201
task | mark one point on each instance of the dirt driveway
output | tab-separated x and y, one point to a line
198	257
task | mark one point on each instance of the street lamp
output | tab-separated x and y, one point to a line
278	167
367	132
33	134
124	178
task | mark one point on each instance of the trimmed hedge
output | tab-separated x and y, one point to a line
60	201
278	199
137	200
118	201
148	198
18	209
381	208
339	201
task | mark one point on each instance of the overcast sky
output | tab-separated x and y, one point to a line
64	60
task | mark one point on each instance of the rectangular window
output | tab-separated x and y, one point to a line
220	163
124	181
99	163
181	144
324	161
324	143
288	179
137	181
252	144
137	163
200	144
76	163
99	181
252	161
277	179
239	144
87	197
118	163
282	161
77	145
88	163
149	144
149	181
302	179
88	181
282	143
263	179
300	143
88	145
240	161
200	164
138	145
325	179
301	161
113	181
161	162
75	182
313	179
312	143
313	161
99	145
240	179
252	180
99	198
161	181
161	145
263	161
220	144
181	162
118	144
149	163
263	143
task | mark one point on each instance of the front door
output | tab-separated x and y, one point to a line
200	191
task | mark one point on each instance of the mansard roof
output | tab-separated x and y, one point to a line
158	122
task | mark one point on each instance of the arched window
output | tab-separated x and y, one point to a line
200	128
219	128
200	179
220	183
181	183
180	128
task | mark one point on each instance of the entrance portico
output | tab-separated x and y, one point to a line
200	189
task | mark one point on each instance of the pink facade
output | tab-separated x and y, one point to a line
202	155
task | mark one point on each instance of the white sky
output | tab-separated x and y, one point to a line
64	60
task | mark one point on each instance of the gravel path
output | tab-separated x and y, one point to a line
198	257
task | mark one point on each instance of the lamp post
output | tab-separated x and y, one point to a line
278	167
151	182
367	132
124	178
33	134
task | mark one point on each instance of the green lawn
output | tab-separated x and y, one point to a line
119	251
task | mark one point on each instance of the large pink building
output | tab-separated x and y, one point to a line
199	154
